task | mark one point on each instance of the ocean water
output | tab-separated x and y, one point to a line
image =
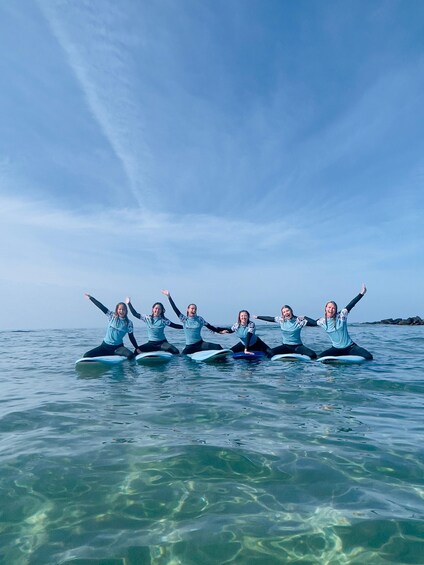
235	462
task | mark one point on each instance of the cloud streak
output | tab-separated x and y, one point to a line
102	64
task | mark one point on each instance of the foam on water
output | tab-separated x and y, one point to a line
190	463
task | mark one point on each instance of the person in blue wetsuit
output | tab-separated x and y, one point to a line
245	330
192	326
291	326
119	326
335	324
156	324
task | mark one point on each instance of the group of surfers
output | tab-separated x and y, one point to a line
334	323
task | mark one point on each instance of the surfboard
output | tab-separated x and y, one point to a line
291	357
102	360
249	357
154	357
209	355
330	359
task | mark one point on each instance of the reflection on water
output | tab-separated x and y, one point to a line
189	463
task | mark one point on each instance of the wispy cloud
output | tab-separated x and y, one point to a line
103	65
235	155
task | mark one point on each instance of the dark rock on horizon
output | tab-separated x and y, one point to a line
412	321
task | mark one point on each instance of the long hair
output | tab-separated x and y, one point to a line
248	317
335	313
192	304
126	311
288	308
162	314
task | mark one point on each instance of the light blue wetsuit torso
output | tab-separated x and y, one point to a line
337	331
117	329
155	327
192	328
243	332
290	329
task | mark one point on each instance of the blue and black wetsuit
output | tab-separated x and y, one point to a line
248	338
156	332
117	329
336	329
192	327
290	330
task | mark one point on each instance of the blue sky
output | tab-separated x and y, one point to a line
243	154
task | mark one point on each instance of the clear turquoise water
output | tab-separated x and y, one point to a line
237	462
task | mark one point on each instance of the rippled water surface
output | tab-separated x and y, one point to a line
234	462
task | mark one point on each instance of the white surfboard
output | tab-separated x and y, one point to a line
102	360
291	357
330	359
153	357
209	355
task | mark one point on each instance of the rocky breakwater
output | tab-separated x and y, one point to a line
413	321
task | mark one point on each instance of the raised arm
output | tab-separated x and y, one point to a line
132	309
356	299
96	302
171	302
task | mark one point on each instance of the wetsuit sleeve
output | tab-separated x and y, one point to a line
353	302
175	326
134	311
311	321
266	318
99	305
229	330
132	340
212	328
174	306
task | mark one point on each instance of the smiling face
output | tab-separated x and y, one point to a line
287	312
157	310
191	310
331	309
121	310
243	317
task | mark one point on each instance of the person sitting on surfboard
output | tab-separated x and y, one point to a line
156	324
246	332
335	324
291	326
119	325
192	326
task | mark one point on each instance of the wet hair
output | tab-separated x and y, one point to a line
126	311
192	304
161	315
248	316
325	310
288	308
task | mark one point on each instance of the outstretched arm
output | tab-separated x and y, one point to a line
225	330
132	309
175	326
213	328
356	299
265	318
171	302
96	302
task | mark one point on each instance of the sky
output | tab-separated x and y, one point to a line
240	153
